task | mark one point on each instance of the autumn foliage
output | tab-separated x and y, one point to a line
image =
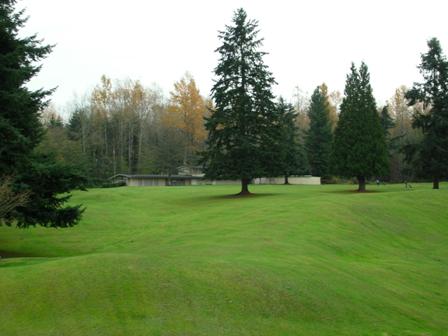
186	111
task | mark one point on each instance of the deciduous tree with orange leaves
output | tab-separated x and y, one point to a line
186	112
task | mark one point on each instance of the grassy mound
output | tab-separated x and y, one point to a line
293	260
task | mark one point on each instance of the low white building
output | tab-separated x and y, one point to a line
157	180
307	179
188	180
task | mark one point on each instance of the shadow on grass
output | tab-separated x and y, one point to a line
17	259
22	261
13	254
355	192
238	196
210	198
8	255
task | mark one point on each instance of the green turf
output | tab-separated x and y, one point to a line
295	260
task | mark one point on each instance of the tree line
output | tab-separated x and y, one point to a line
244	129
241	132
123	127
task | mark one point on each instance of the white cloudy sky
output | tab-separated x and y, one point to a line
309	42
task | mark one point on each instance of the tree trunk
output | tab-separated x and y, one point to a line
105	140
83	136
114	159
140	142
244	187
361	184
286	179
435	183
185	155
130	150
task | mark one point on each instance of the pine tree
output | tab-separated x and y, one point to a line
359	144
21	131
243	129
293	159
319	137
432	152
387	122
332	100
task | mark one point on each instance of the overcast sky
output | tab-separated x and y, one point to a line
309	42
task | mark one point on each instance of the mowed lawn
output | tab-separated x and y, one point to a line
294	260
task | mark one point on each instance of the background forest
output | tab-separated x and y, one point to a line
122	126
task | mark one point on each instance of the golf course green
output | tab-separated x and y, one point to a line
291	260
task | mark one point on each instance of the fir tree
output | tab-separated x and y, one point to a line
293	159
319	137
432	152
21	131
243	129
359	144
19	120
387	122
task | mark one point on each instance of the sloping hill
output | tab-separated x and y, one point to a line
294	260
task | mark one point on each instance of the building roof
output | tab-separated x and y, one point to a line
171	177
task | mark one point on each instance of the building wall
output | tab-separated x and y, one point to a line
183	182
226	182
214	182
156	182
200	182
146	182
308	180
139	182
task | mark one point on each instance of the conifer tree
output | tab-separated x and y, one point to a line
432	152
243	129
359	144
21	131
319	137
293	159
387	122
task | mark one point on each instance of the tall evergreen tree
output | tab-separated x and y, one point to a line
359	144
21	131
319	137
293	159
243	129
432	152
387	122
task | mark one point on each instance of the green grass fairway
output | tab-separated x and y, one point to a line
294	260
